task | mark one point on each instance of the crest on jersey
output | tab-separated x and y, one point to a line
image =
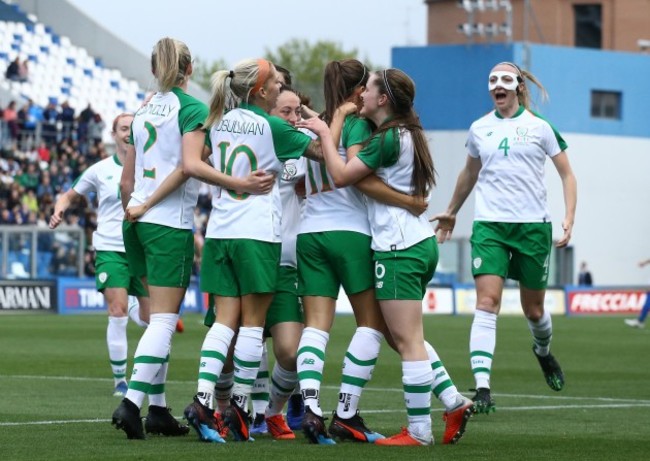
103	276
289	172
522	130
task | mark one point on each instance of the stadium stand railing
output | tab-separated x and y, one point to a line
34	252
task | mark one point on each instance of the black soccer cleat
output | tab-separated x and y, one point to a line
160	421
238	421
552	371
314	428
353	429
202	419
127	417
483	402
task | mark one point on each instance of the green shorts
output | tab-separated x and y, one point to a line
238	267
327	260
112	271
163	254
405	274
286	305
519	251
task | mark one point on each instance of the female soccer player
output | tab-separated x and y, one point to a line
511	235
405	250
112	275
242	248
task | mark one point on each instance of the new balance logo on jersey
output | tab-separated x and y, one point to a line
308	362
489	134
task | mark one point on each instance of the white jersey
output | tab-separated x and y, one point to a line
511	186
329	208
104	178
157	132
393	228
249	139
293	171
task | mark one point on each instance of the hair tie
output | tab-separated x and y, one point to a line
231	74
264	67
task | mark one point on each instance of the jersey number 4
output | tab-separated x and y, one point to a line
504	145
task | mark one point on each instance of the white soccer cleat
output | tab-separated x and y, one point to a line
634	323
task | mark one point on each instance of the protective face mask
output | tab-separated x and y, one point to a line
504	79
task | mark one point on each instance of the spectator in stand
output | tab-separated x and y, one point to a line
10	117
6	216
67	117
44	154
83	121
12	70
45	186
33	117
50	116
23	71
96	128
30	201
30	178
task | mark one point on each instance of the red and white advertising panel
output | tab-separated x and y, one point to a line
606	301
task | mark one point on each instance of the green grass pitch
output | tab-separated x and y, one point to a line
56	395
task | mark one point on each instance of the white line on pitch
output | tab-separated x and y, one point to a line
366	411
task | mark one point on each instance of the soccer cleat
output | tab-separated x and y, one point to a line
220	425
279	429
180	326
402	439
201	418
120	389
314	428
552	371
127	418
295	412
634	323
352	429
456	420
159	420
483	402
259	425
238	421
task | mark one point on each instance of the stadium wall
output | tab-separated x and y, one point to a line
610	158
